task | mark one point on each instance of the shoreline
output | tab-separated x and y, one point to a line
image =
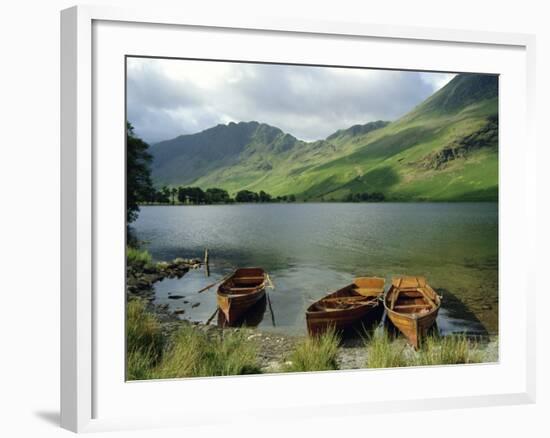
141	278
273	349
413	201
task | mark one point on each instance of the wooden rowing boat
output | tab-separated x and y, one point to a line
251	318
238	293
347	307
412	306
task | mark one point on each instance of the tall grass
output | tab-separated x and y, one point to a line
144	340
316	353
188	353
194	354
382	352
446	350
138	258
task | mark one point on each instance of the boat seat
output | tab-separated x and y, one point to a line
368	291
411	306
361	298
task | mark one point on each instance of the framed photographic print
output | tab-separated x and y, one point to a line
260	207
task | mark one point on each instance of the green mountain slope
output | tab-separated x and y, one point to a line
444	149
188	157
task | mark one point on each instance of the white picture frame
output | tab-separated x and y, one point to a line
91	393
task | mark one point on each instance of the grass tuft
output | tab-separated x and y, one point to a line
144	340
382	352
230	354
137	258
188	353
194	354
182	357
447	350
139	364
315	353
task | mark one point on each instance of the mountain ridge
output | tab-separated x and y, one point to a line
456	128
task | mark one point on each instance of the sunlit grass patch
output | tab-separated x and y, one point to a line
137	257
144	340
189	352
192	353
316	353
447	350
383	352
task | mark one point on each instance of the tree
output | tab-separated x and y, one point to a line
173	193
196	195
264	197
183	195
365	196
247	196
291	198
217	196
166	193
138	173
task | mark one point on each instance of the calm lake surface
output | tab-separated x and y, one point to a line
311	249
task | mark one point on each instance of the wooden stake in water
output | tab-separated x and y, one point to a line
270	285
206	265
270	309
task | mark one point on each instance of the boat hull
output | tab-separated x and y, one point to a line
238	294
368	310
344	321
414	326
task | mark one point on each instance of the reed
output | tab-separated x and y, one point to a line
316	353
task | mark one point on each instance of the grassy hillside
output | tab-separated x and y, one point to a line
446	149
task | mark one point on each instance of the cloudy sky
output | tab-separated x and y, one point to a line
167	98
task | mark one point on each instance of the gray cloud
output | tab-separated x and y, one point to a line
167	98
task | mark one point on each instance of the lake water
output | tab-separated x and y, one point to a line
312	249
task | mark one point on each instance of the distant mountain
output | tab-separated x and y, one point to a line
356	130
444	149
464	90
188	157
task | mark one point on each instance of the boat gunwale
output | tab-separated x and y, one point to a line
252	290
371	300
412	316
